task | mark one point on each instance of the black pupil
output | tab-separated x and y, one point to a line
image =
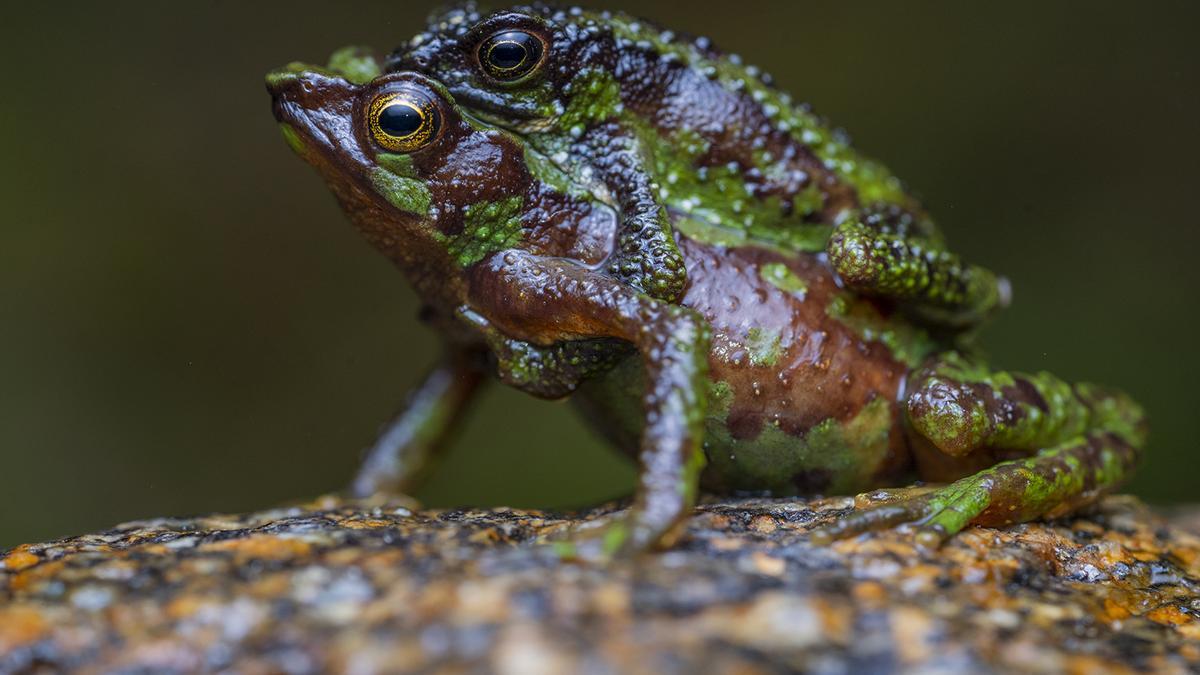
509	50
399	120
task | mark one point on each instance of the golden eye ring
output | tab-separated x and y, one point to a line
402	122
510	55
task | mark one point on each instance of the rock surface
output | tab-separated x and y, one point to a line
354	587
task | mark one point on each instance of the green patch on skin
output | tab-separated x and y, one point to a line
356	64
547	172
717	199
487	227
614	537
872	180
782	277
809	200
963	428
593	95
708	233
1114	411
293	139
281	75
849	453
398	164
405	193
763	346
908	344
720	396
714	199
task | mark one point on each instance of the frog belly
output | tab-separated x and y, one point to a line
799	400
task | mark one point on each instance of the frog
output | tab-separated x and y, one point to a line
660	123
767	373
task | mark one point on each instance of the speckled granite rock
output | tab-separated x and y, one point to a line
351	587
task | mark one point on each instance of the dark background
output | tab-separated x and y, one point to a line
188	324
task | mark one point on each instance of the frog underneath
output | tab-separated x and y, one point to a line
763	371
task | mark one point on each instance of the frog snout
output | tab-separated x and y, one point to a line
313	101
307	87
291	87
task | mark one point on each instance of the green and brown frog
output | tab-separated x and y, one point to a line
592	206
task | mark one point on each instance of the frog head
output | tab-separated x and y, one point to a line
407	166
525	68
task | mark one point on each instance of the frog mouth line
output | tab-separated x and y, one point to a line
492	113
530	125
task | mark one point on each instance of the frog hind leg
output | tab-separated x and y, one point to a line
1085	441
916	270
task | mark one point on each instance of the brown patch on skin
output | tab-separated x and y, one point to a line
736	127
565	227
823	370
939	467
466	167
1024	391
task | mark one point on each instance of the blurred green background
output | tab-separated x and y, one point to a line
188	323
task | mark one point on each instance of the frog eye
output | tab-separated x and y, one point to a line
510	55
403	122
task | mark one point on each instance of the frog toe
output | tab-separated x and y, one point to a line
871	519
937	515
595	543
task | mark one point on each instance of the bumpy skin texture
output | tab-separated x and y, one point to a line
655	119
770	333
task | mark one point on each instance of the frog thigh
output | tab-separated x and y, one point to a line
1085	441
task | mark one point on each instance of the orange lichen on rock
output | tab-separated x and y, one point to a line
18	559
262	547
21	626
